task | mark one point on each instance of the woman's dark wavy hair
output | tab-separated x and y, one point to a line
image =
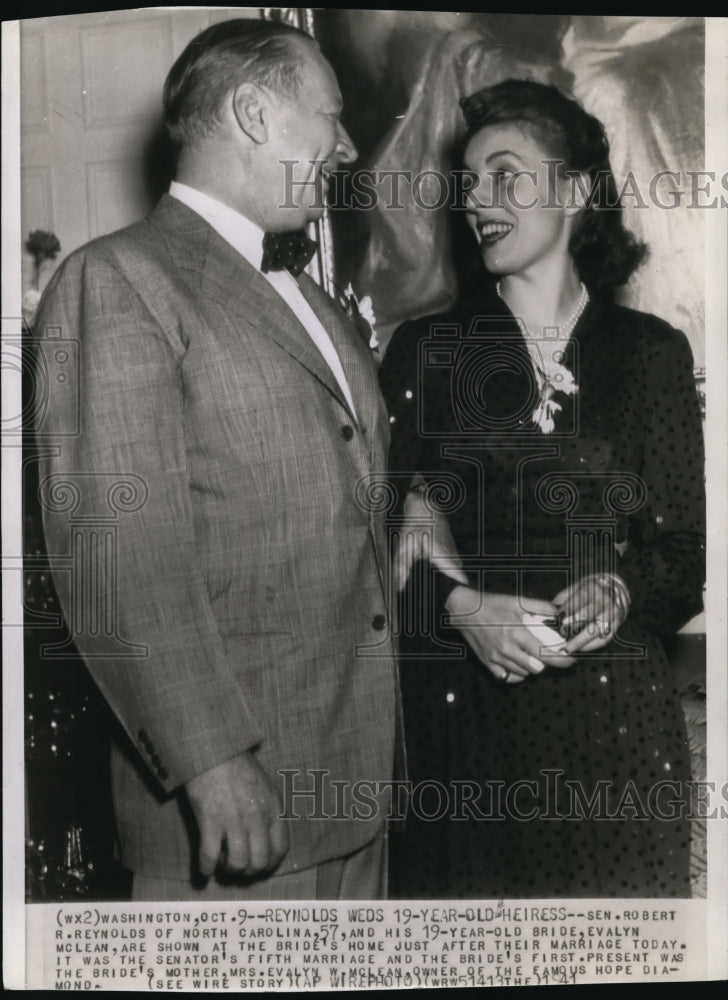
605	252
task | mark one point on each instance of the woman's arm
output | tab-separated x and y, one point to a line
660	576
664	565
418	528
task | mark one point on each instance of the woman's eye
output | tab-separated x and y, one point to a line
501	175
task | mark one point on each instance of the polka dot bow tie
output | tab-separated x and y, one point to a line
291	251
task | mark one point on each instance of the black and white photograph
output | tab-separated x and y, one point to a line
364	499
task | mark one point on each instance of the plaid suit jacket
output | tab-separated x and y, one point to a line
221	563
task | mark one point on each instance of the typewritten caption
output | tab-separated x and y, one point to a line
263	947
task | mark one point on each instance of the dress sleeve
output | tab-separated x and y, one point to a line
664	565
409	458
417	405
400	387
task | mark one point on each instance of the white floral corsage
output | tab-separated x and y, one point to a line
361	312
558	378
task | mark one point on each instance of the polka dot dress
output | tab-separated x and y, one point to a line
573	783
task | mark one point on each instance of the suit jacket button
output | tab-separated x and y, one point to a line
162	773
378	622
347	432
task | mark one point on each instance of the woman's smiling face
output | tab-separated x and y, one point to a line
518	210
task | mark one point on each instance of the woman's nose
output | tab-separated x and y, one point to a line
476	195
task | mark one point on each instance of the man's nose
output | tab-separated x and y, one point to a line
345	148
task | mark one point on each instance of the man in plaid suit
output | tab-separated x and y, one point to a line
244	640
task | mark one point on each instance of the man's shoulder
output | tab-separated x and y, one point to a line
144	255
139	240
153	241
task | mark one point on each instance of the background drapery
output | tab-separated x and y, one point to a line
403	73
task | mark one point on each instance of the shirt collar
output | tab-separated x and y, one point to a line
242	234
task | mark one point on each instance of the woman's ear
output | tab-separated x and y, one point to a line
576	191
250	110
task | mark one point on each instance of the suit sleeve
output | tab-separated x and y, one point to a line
664	566
123	553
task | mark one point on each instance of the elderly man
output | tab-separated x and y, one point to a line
244	641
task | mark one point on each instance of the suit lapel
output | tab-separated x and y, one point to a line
230	280
353	353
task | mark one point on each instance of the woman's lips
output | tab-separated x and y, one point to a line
492	232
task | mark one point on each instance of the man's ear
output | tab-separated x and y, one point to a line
250	109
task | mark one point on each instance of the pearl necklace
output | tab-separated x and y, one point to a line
567	329
551	374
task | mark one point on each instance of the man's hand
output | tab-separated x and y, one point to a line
237	809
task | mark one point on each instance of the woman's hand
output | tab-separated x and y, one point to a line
425	534
492	625
593	608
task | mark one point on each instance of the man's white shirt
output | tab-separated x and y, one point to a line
246	238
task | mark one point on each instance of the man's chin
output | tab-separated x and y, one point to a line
309	215
293	220
315	214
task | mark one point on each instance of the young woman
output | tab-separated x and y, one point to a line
546	743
